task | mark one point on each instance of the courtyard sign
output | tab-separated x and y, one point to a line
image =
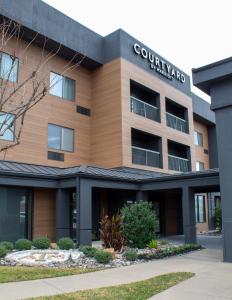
159	65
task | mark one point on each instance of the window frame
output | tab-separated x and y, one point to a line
200	163
17	74
60	149
63	77
13	131
197	208
196	139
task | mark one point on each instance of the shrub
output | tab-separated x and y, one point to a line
153	244
66	243
131	254
103	257
23	244
8	245
88	251
218	218
3	251
164	242
111	232
139	224
41	243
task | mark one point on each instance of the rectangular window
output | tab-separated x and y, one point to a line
198	138
199	166
9	67
62	86
60	138
7	126
200	208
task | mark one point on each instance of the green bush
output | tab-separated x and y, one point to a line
23	244
3	251
8	245
139	224
218	218
41	243
163	242
153	244
88	251
103	257
131	254
66	243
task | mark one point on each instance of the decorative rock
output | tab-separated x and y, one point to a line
53	246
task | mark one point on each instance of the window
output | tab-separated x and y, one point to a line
60	138
62	86
200	208
9	67
199	166
198	138
7	125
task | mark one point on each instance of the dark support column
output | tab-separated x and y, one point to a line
189	223
85	212
62	214
216	80
141	196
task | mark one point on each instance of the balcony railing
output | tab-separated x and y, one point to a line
144	109
178	163
176	122
145	157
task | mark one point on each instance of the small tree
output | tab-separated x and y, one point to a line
111	232
18	97
139	224
218	218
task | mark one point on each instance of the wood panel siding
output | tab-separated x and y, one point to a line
106	139
201	156
33	146
44	214
132	120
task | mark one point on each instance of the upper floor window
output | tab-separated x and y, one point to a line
200	166
60	138
7	126
198	138
9	67
62	86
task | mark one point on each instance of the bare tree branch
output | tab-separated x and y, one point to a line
17	97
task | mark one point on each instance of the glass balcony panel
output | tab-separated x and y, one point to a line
145	157
178	164
144	109
176	123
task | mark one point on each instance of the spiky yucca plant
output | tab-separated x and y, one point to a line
111	232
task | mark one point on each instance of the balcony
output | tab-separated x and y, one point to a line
144	101
145	157
146	149
179	157
176	122
176	116
178	163
144	109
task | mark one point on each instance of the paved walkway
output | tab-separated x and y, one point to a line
213	279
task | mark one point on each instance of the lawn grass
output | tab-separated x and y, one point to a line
140	290
9	274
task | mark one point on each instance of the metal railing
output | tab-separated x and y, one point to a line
145	157
176	122
178	163
144	109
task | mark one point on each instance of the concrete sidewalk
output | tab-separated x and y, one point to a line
213	279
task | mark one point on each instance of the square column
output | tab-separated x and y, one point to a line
141	196
62	214
188	208
84	211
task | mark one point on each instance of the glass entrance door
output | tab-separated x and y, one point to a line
14	205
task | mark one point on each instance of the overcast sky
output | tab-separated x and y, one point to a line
188	33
